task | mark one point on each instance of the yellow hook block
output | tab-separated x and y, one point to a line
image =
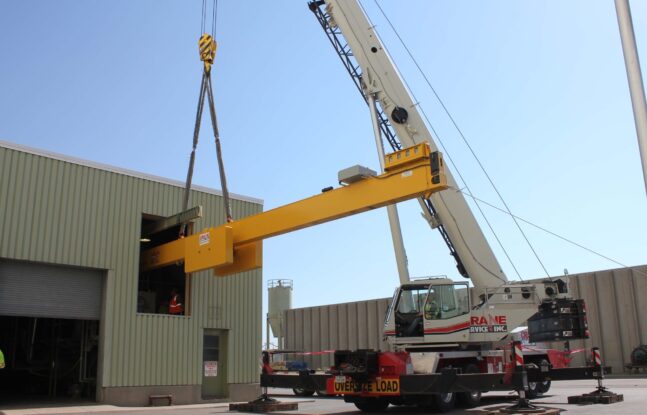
207	45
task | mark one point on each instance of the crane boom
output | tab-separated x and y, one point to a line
379	77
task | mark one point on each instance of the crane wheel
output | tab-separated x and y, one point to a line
444	402
533	390
537	388
372	404
302	392
544	386
473	398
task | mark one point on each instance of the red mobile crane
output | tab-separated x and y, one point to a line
449	339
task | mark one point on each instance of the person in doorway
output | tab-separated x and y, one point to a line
175	305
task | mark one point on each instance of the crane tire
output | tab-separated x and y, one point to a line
544	386
372	404
444	402
302	392
537	388
473	398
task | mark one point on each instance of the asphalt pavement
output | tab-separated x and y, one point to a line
633	389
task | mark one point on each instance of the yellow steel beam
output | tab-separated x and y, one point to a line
236	247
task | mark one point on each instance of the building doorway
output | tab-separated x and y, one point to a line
214	364
48	359
49	331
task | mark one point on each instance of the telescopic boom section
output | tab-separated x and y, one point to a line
380	77
236	247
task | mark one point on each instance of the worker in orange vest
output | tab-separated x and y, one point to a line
175	307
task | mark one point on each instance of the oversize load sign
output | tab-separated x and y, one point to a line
489	324
381	386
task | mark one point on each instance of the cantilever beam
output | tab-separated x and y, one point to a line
236	247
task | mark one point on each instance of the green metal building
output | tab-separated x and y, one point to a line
76	316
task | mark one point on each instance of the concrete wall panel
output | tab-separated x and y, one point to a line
610	340
639	298
626	311
333	327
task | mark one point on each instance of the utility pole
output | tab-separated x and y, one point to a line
634	76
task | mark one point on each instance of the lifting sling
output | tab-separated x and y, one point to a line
207	46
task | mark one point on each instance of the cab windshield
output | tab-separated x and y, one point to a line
412	299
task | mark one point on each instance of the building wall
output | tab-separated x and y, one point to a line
60	211
350	326
616	310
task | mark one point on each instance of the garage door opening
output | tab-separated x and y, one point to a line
49	330
48	358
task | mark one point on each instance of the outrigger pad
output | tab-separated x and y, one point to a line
264	404
597	396
509	410
261	407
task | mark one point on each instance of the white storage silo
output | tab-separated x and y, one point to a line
279	299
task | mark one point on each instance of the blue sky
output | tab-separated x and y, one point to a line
539	89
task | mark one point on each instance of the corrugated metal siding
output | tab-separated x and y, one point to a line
615	301
60	212
356	325
37	290
617	312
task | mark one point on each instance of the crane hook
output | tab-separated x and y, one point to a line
207	45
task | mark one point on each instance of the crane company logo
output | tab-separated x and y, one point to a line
489	324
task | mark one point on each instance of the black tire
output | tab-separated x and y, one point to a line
469	399
302	392
399	401
533	390
544	387
538	388
372	404
444	402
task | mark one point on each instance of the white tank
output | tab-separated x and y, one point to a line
279	299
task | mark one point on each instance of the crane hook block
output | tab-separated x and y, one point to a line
207	45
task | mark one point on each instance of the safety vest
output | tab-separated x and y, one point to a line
174	307
1	360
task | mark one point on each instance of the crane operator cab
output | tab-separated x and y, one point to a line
436	311
426	307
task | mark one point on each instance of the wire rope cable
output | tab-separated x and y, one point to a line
203	17
460	132
455	166
548	231
206	56
214	22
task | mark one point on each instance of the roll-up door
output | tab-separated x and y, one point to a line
42	290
